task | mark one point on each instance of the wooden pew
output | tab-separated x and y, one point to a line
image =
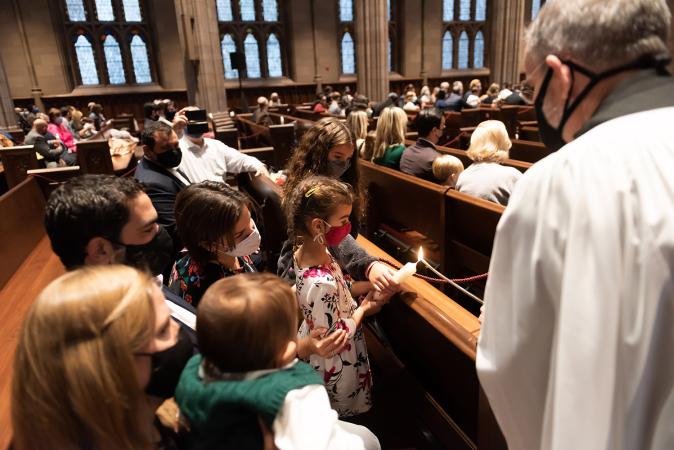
427	357
28	266
93	157
228	136
529	133
16	161
50	179
528	151
463	226
281	137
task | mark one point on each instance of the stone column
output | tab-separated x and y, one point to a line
200	39
372	48
7	116
507	29
317	75
36	91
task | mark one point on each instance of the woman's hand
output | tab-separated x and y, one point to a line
381	277
169	416
325	347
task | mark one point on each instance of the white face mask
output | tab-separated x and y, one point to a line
248	246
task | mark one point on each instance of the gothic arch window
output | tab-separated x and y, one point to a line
255	29
447	51
393	36
533	7
463	35
345	38
109	44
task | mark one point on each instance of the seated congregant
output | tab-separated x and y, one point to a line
390	141
446	170
357	123
417	159
261	114
48	146
274	99
486	178
410	102
214	224
59	128
91	355
491	95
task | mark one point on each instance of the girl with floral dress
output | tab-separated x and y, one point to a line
318	216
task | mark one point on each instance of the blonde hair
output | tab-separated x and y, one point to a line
391	129
368	146
357	123
409	96
245	321
75	381
489	142
474	83
494	89
446	165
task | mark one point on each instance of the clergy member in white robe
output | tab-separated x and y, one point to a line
577	346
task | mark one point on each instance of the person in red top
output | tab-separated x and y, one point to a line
321	104
57	126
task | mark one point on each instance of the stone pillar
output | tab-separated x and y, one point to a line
372	49
7	115
35	90
317	74
200	39
507	30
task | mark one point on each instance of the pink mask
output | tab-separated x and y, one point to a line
337	234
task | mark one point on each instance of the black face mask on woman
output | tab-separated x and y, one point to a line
167	366
551	136
154	256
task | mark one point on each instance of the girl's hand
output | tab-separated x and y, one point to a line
381	277
371	306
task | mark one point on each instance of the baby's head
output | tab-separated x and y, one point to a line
446	169
247	322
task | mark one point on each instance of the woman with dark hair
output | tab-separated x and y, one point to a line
214	224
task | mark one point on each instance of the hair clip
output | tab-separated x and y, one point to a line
311	192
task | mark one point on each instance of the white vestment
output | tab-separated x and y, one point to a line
577	346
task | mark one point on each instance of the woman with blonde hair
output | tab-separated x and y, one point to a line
390	141
486	177
357	123
85	359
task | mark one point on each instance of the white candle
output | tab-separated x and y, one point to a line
283	120
405	272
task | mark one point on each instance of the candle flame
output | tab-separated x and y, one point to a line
420	254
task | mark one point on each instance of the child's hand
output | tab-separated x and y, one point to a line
169	415
325	347
370	305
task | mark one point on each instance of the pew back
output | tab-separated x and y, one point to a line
93	157
16	162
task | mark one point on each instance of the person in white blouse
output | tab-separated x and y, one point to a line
486	178
209	159
576	350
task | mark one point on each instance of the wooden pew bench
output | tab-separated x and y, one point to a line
281	137
28	266
528	151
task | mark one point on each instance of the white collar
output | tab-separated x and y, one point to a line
242	376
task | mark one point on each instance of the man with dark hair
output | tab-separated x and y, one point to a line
158	171
441	101
418	159
103	219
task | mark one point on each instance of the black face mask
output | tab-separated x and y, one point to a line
167	366
551	136
154	256
170	158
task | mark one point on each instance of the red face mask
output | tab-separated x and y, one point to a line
337	234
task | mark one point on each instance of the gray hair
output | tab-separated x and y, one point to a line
457	87
599	34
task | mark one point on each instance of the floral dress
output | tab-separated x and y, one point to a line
190	280
324	297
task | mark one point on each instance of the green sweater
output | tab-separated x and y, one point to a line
391	157
224	414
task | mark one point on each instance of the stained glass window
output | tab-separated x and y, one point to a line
348	55
270	10
448	10
535	7
464	10
274	63
113	60
86	61
104	11
225	11
388	9
345	10
463	50
252	52
228	46
76	10
481	10
478	53
390	65
141	63
247	9
447	51
132	11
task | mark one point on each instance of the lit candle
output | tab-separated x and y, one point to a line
408	269
283	120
